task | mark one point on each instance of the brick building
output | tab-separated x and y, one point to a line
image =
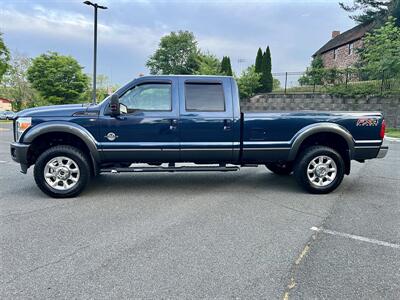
340	52
5	104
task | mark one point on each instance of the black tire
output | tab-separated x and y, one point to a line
77	156
280	168
311	154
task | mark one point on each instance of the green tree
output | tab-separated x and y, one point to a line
267	80
258	66
276	84
248	82
103	88
15	85
176	54
366	11
314	74
4	57
381	52
209	64
59	79
223	65
229	71
226	68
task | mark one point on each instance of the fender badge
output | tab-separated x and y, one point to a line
367	122
111	136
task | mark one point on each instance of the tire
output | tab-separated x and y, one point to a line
319	169
280	169
68	171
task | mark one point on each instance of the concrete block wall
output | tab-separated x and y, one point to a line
389	106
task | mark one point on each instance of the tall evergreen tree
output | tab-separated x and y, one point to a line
258	65
269	78
266	76
226	67
223	65
229	67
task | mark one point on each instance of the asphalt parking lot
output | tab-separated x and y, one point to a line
248	234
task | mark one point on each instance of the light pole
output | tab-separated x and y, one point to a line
96	6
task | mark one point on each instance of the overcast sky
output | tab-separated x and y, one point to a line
129	31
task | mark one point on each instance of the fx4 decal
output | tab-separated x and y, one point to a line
367	122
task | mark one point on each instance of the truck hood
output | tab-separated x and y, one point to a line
65	110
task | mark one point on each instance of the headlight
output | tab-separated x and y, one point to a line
22	124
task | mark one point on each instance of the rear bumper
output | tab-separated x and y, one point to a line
382	152
362	153
19	154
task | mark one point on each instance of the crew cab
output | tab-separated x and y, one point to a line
164	121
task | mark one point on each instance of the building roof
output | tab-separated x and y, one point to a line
346	37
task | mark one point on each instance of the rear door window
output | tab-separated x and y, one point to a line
204	97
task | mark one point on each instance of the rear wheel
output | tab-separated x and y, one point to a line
280	168
319	169
62	171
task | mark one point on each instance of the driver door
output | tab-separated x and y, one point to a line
147	129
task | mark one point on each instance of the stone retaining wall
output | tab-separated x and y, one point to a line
389	106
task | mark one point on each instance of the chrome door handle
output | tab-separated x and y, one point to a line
227	125
173	124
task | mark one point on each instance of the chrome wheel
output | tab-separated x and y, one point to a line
61	173
321	171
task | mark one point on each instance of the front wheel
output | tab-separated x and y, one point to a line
62	171
319	169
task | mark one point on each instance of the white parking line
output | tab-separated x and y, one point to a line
356	237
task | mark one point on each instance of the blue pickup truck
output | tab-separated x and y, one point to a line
165	120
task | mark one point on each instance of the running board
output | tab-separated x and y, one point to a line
171	169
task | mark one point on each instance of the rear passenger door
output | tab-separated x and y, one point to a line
206	120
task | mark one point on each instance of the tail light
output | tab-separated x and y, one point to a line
383	128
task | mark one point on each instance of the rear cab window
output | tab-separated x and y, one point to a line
204	97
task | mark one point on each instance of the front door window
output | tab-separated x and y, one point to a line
147	97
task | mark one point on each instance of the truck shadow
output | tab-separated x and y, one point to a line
157	183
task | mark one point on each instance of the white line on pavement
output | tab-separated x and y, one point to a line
356	237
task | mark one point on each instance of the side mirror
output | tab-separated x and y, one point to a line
114	105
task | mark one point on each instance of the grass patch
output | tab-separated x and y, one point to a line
393	132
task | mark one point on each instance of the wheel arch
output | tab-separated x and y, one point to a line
328	134
72	134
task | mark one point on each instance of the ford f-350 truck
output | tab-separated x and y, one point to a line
164	120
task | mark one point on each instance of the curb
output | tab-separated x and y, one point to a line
392	139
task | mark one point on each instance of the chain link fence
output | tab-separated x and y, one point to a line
334	81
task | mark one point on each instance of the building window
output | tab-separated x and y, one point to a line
351	48
334	54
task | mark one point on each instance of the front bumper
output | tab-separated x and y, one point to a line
382	152
19	154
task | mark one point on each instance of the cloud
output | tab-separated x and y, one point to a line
64	25
130	31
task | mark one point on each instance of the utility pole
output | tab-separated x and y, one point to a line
240	61
96	6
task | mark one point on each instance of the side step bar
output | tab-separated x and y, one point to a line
171	169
